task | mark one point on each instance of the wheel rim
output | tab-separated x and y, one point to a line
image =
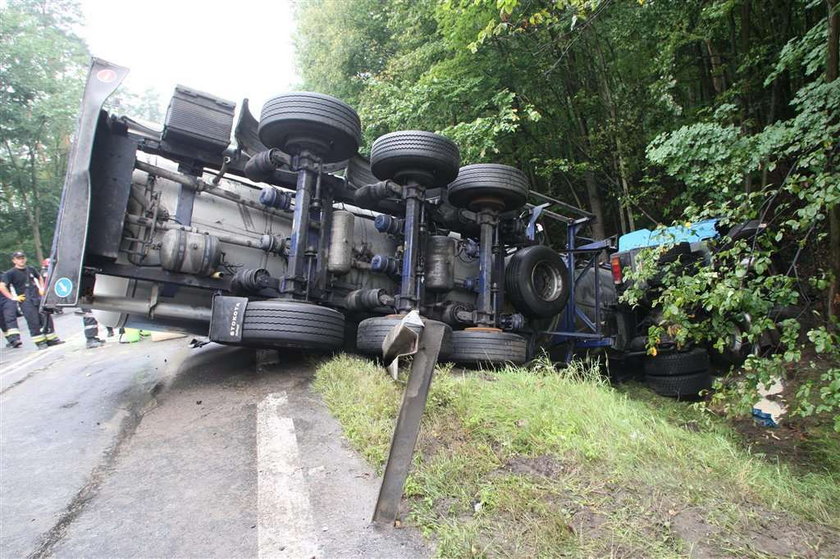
547	281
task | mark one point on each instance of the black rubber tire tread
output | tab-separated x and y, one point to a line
685	386
282	323
519	284
506	184
471	347
312	115
372	331
678	363
745	230
396	154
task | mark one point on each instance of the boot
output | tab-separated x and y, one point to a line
94	343
56	341
42	345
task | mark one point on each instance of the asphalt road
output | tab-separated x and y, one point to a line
155	449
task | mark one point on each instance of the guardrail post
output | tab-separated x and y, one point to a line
408	422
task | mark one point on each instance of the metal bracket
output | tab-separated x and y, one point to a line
536	212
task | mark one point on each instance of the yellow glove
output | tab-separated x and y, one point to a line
20	298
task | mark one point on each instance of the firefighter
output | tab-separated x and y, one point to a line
11	333
28	288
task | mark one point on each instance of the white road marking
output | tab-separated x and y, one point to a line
35	357
285	525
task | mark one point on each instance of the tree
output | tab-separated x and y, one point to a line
42	64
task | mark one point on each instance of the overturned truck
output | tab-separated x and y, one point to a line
276	233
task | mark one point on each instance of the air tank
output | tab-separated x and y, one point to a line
341	242
189	253
440	263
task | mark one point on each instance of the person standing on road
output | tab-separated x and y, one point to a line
91	330
28	288
10	332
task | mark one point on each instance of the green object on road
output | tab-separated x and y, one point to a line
129	336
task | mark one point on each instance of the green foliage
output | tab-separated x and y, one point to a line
41	71
709	304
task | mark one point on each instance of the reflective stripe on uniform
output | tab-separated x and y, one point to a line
51	336
38	339
12	332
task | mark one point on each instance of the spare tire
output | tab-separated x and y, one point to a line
430	159
283	323
537	281
324	125
485	184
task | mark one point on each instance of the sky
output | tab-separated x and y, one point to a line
232	49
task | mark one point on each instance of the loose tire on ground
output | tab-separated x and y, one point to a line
281	323
483	183
477	347
536	281
430	159
678	363
372	332
324	125
685	386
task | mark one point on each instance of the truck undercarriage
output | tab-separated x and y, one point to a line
277	233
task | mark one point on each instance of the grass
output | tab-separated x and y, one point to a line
549	463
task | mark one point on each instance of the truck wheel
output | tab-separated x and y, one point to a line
430	159
536	281
678	363
489	183
685	386
324	125
372	332
281	323
487	347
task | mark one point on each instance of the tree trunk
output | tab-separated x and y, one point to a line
718	77
831	71
625	186
596	204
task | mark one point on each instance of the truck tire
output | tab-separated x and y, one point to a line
282	323
372	332
483	183
324	125
678	363
685	386
430	159
482	347
537	281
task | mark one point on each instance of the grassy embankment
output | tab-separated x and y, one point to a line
549	463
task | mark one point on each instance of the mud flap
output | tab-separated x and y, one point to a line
226	319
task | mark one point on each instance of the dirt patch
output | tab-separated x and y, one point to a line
545	465
691	526
776	535
587	523
758	532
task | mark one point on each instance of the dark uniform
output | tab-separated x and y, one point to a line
25	282
10	332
